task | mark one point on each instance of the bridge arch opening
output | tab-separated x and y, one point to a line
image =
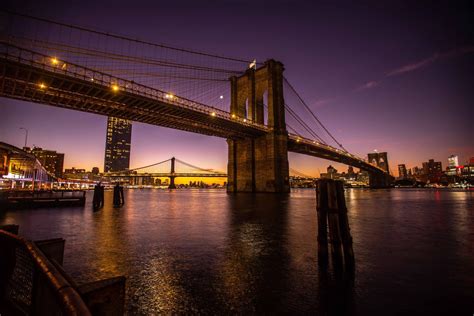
265	108
246	109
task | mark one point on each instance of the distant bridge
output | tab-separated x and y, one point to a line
255	124
171	174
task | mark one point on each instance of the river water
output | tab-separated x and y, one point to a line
204	251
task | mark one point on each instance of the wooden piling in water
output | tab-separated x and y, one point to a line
332	218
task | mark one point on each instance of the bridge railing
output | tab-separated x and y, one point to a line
116	84
31	284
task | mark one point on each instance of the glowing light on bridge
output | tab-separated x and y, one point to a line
221	97
213	114
233	115
42	86
169	96
115	88
54	61
245	120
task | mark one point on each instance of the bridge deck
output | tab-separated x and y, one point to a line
166	175
308	147
30	76
27	75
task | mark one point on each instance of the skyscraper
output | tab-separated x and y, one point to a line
117	144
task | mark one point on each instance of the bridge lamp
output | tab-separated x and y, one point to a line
213	114
245	120
221	97
115	88
42	86
233	115
54	61
297	140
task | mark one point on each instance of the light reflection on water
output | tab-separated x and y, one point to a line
204	251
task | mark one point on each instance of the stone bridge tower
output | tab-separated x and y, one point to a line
259	164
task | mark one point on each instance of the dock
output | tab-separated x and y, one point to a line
36	199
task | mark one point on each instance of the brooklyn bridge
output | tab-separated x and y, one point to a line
250	104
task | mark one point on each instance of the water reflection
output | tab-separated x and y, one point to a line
208	252
255	261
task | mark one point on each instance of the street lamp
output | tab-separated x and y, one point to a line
26	135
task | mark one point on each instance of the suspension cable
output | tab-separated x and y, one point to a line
298	173
121	37
313	115
196	167
303	123
152	165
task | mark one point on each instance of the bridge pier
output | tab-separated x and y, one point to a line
172	184
259	164
379	180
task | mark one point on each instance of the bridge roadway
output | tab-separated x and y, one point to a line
31	76
165	175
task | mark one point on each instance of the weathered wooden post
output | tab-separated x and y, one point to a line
321	208
345	230
332	214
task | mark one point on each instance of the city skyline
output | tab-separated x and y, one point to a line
408	102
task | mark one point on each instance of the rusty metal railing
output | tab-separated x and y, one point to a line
31	284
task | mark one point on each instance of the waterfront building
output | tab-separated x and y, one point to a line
453	166
453	161
380	160
331	173
467	171
350	171
21	169
117	145
51	160
432	170
74	171
402	171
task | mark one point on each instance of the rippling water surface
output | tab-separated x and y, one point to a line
204	251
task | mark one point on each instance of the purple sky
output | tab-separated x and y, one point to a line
392	77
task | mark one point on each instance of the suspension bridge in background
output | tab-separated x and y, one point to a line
173	168
252	105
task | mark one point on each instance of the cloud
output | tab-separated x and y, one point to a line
368	85
430	60
417	65
322	102
413	66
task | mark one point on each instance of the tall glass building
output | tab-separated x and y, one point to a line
117	144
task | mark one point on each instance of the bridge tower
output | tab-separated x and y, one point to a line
259	164
172	176
379	180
